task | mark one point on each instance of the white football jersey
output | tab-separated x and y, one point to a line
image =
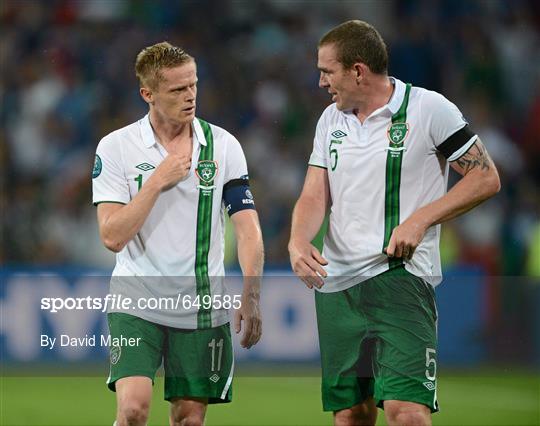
380	172
180	247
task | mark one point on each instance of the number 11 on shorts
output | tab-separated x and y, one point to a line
212	345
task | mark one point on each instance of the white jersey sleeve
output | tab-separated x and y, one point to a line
449	132
108	179
235	163
318	155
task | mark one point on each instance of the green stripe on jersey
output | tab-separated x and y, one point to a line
394	157
204	228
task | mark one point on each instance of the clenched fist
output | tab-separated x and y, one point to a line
172	170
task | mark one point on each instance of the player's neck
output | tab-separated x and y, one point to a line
169	132
377	92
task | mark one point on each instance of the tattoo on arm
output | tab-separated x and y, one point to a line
476	156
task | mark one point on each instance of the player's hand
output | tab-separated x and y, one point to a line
406	238
172	170
307	263
250	315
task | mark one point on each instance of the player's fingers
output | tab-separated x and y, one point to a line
302	271
408	251
237	321
318	257
315	270
302	275
255	333
411	252
405	252
311	281
248	333
399	250
318	281
307	282
390	249
258	332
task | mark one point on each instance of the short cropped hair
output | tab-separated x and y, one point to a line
358	41
152	59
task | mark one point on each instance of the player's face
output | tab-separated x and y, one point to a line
340	82
175	97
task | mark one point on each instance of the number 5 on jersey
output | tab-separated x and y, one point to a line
334	152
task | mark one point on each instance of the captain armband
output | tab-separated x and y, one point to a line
237	196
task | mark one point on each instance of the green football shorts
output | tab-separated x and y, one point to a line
197	363
378	338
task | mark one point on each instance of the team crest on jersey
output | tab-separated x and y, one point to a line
206	171
397	133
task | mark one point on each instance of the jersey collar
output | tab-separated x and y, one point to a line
393	104
149	138
397	97
198	132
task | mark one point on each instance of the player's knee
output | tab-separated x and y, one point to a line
192	419
133	414
187	416
411	418
360	415
407	414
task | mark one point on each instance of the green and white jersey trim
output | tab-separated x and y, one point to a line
204	225
380	172
397	134
180	247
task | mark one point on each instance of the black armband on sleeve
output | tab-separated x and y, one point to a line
456	141
237	196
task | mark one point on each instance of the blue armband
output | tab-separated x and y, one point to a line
237	196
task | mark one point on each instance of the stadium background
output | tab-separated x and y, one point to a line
67	80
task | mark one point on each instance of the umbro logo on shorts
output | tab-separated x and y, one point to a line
429	385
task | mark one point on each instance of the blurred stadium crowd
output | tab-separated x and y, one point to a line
67	80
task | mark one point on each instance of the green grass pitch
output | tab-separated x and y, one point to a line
465	399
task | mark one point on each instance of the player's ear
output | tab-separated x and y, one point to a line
360	70
147	95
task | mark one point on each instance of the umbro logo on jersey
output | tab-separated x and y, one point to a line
214	378
338	134
144	167
429	385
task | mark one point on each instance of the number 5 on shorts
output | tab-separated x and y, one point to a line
429	361
212	345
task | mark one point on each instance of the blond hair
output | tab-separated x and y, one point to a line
152	59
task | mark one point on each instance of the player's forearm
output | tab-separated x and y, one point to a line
251	259
122	226
471	190
308	216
